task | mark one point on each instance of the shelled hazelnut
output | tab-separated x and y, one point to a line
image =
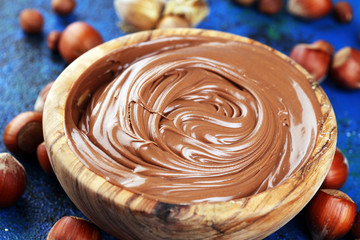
63	7
194	11
343	12
12	180
24	133
345	68
171	21
330	214
309	9
70	227
139	14
31	21
315	58
78	38
338	172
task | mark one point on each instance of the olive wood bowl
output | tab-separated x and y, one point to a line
128	215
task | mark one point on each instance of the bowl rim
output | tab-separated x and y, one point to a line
65	162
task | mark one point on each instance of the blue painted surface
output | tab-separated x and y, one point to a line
26	65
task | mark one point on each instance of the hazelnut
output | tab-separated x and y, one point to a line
139	15
63	7
343	12
53	40
40	100
43	159
31	21
12	180
270	7
330	214
245	2
355	230
193	11
345	68
78	38
309	9
24	133
324	45
70	227
173	21
315	58
338	171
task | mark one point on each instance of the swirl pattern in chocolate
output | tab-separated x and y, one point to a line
193	119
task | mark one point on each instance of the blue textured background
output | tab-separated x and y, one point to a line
26	65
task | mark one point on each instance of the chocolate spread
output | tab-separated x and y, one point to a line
193	119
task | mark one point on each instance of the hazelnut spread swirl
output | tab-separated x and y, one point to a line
193	119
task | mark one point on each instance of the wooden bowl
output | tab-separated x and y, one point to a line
128	215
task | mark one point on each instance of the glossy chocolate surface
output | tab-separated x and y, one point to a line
193	119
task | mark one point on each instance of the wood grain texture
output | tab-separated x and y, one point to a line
127	215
